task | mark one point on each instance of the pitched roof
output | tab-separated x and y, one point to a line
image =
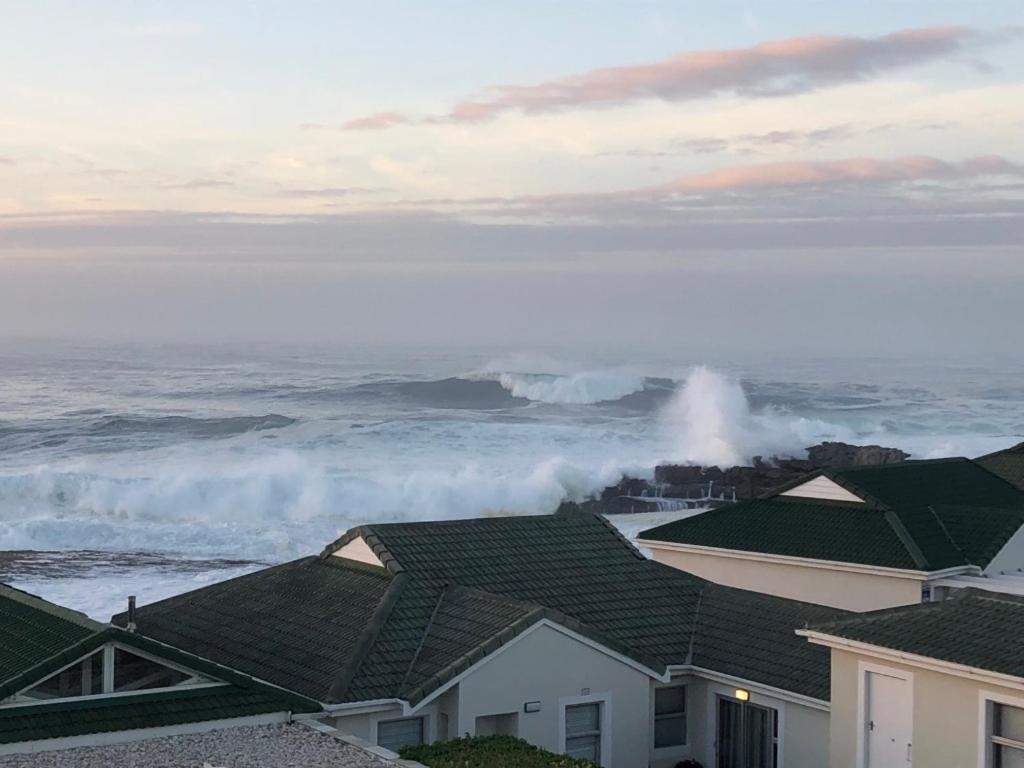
975	628
917	515
1008	464
38	638
454	591
32	630
87	715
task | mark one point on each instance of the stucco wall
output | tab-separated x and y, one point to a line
804	741
546	666
946	714
841	589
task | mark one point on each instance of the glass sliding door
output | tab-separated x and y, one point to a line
747	735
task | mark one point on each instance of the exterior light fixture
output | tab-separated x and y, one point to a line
531	706
742	694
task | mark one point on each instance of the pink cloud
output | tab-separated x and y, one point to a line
376	121
773	68
852	170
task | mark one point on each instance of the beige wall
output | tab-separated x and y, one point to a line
841	589
946	713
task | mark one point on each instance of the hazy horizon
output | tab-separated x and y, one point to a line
733	179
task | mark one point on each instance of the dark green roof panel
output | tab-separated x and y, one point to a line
123	713
32	630
976	628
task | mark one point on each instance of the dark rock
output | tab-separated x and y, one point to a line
680	485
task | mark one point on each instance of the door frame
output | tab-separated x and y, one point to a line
776	713
864	668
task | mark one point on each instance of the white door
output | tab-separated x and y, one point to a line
888	722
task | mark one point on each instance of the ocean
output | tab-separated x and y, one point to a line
154	469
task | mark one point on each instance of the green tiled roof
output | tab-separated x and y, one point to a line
918	515
123	713
32	630
454	591
794	527
973	627
1008	464
37	638
922	483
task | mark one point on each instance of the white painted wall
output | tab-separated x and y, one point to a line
549	666
852	590
822	487
1010	559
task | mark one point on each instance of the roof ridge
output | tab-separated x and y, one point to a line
948	535
996	475
60	611
368	637
619	535
694	626
906	539
423	637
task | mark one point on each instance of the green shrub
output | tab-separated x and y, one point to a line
489	752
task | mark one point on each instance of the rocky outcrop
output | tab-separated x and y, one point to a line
679	485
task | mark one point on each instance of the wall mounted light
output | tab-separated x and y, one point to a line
531	706
741	694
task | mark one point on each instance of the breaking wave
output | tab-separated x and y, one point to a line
584	388
271	508
712	423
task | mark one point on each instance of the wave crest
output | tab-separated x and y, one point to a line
583	388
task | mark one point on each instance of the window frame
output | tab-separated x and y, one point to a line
665	716
988	740
422	719
195	679
604	700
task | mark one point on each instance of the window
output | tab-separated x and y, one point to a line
748	735
493	725
583	731
136	673
82	679
1006	736
111	669
669	716
395	734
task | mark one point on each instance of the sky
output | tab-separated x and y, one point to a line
835	177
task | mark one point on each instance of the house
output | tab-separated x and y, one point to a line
552	628
67	681
1008	464
861	539
937	685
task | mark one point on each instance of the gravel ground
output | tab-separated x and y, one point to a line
261	746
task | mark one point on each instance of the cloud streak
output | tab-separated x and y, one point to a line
852	170
775	68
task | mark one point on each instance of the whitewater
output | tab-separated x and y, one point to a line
151	470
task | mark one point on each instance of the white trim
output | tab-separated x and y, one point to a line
664	678
138	734
678	751
107	649
605	700
365	707
807	562
766	690
113	695
864	668
913	659
984	699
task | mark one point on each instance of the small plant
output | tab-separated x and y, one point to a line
489	752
